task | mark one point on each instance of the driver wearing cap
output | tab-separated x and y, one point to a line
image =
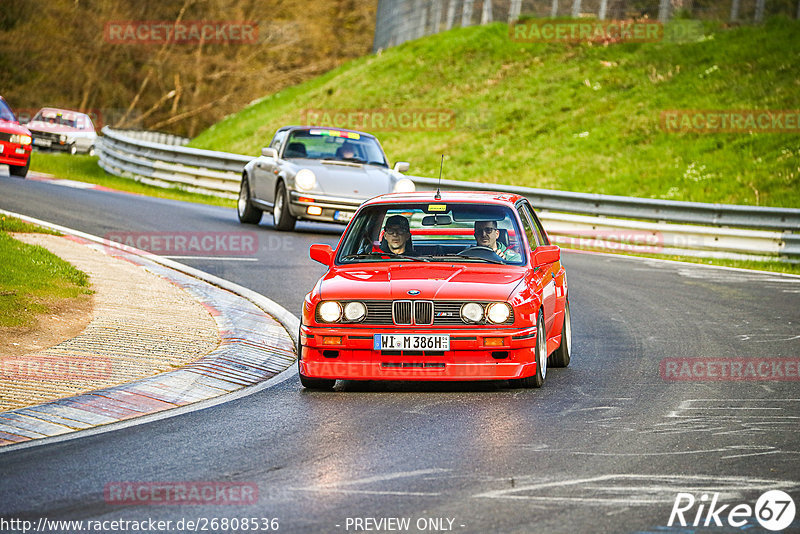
397	236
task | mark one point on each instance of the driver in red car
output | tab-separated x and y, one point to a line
397	236
486	234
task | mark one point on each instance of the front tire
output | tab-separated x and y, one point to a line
308	382
316	383
537	379
248	214
73	149
20	170
561	356
284	221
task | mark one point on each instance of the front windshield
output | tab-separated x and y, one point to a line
5	113
52	117
434	232
324	143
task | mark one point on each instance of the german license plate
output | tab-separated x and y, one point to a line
42	142
343	216
438	342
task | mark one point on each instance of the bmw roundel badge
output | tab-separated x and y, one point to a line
413	291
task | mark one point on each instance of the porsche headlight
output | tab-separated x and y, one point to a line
472	312
330	311
404	185
354	311
498	312
305	179
21	139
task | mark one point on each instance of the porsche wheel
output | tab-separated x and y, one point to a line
248	214
560	358
284	220
537	379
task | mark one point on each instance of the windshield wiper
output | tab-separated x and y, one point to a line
466	257
381	254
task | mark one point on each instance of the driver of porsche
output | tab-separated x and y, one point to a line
486	234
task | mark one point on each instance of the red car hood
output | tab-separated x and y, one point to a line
433	281
13	128
55	128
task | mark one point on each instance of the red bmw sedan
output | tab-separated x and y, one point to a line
15	142
422	286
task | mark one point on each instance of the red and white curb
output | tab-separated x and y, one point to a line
258	337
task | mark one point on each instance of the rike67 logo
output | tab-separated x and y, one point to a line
774	510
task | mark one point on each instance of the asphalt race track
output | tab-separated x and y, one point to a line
605	446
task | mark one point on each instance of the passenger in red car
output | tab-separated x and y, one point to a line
397	236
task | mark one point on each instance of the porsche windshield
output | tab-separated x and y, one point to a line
325	143
434	231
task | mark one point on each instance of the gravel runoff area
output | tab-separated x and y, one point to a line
141	325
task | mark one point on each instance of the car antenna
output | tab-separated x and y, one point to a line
438	195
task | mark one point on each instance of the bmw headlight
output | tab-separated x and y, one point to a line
472	312
354	311
404	185
21	139
330	311
62	138
305	179
498	312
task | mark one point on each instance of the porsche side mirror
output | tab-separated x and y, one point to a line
546	254
322	254
269	152
402	166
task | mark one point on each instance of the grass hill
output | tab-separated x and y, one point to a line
576	117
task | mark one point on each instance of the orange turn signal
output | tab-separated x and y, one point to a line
493	342
331	340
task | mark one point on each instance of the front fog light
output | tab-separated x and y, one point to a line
472	312
330	311
354	311
498	312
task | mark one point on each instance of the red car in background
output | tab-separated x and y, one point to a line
15	142
456	286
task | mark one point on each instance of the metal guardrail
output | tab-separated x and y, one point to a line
202	171
674	227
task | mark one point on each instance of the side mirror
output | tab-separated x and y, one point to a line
322	254
402	166
269	152
546	254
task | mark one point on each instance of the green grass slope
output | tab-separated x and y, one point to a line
575	117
